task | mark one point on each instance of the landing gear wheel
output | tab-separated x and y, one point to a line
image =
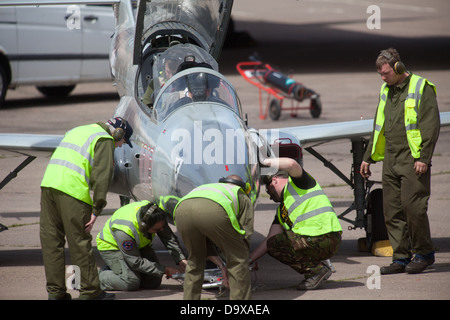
376	226
274	109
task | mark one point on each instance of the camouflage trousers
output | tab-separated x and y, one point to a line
304	254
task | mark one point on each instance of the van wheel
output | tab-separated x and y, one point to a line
3	85
57	91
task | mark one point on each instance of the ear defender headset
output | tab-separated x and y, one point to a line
119	132
397	65
148	217
244	185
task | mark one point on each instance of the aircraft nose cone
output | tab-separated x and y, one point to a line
200	144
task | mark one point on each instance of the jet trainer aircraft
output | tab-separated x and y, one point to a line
189	128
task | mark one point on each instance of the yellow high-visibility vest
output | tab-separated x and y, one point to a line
224	194
307	211
412	103
124	219
70	166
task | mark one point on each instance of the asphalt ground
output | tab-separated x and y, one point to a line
327	46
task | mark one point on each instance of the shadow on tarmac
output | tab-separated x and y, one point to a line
347	251
318	48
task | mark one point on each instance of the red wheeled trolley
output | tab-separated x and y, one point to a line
279	87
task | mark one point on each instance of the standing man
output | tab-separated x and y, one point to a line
83	161
223	214
305	230
125	244
406	129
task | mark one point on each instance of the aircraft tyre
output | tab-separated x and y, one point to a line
274	109
375	219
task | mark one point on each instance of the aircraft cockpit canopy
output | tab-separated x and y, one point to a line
200	85
168	63
198	22
159	67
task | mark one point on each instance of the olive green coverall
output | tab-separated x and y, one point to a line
63	216
199	219
405	194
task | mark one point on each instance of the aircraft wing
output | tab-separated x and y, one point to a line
330	131
321	133
30	144
47	143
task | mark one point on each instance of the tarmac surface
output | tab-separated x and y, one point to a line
329	48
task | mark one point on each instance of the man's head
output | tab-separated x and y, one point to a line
120	130
275	185
390	67
237	180
199	84
151	219
170	67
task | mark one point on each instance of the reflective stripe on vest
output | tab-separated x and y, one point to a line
70	166
309	211
412	103
125	219
380	144
224	194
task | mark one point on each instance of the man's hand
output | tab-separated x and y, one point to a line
365	169
420	167
90	224
225	281
171	271
183	264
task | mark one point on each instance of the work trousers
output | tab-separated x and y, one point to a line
405	205
302	253
198	219
121	277
63	216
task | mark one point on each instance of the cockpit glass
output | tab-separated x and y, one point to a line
201	15
168	63
199	86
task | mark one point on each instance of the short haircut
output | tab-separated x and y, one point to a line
382	59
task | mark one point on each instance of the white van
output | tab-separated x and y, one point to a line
54	47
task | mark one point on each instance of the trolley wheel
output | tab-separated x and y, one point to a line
375	214
274	109
315	107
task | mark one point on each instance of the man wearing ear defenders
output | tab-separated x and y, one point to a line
406	130
223	214
305	230
83	161
125	244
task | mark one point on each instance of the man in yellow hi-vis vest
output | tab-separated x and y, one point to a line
305	230
83	161
406	129
223	214
125	245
